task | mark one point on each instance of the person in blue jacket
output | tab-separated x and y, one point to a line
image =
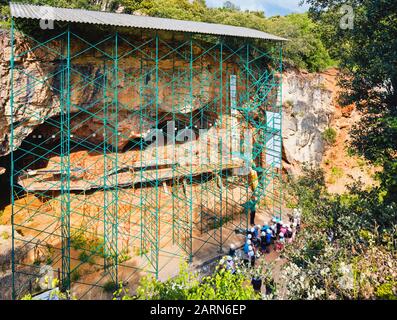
265	227
268	239
246	246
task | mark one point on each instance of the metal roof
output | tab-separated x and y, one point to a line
29	11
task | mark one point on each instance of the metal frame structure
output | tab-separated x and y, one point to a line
90	229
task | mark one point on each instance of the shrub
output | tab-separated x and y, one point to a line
222	285
78	241
345	249
94	245
85	257
329	136
387	291
110	286
5	235
336	172
124	256
75	275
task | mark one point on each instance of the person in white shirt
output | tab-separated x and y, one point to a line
251	256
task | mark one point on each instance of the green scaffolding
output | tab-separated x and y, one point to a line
84	207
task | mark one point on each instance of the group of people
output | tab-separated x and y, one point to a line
259	239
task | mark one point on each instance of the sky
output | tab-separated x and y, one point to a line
271	7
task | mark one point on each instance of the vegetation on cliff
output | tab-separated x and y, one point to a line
368	60
348	246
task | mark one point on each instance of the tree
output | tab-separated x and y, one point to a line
369	64
306	49
346	248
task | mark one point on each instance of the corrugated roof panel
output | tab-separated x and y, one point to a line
29	11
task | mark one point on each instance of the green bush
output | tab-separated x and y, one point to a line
329	136
222	285
5	235
94	245
336	173
345	248
78	241
110	286
86	257
75	275
387	291
124	256
306	49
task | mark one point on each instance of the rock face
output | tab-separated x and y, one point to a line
39	76
32	106
22	246
308	109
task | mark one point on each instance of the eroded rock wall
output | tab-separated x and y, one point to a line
38	81
308	109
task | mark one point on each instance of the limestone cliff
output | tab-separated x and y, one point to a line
308	109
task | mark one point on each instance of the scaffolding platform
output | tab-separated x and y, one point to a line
45	180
